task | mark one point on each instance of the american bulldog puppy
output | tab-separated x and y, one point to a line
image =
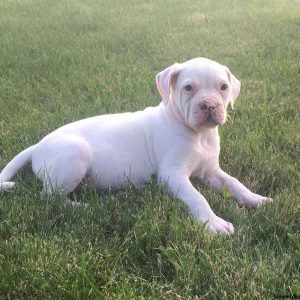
176	140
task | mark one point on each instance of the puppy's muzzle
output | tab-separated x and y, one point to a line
212	110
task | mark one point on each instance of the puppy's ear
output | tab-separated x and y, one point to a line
164	79
235	87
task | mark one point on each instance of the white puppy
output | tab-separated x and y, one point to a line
175	140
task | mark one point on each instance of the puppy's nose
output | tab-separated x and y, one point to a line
208	107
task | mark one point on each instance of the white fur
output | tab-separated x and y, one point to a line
175	140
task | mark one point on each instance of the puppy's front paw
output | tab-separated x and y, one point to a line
218	225
254	200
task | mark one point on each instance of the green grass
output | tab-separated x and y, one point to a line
65	60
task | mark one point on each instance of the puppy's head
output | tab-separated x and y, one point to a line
198	92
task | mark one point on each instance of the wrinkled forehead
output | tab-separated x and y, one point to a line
202	71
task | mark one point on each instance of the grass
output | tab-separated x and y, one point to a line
65	60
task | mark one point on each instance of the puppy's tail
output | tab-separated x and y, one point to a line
18	162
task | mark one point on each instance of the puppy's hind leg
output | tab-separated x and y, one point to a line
62	163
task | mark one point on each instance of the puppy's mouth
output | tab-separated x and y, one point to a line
215	118
209	119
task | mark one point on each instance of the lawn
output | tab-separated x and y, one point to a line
64	60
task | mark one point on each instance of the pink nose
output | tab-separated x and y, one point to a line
208	107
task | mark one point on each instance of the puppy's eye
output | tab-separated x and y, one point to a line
188	87
224	87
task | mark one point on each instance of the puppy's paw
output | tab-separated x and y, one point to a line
254	200
218	225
